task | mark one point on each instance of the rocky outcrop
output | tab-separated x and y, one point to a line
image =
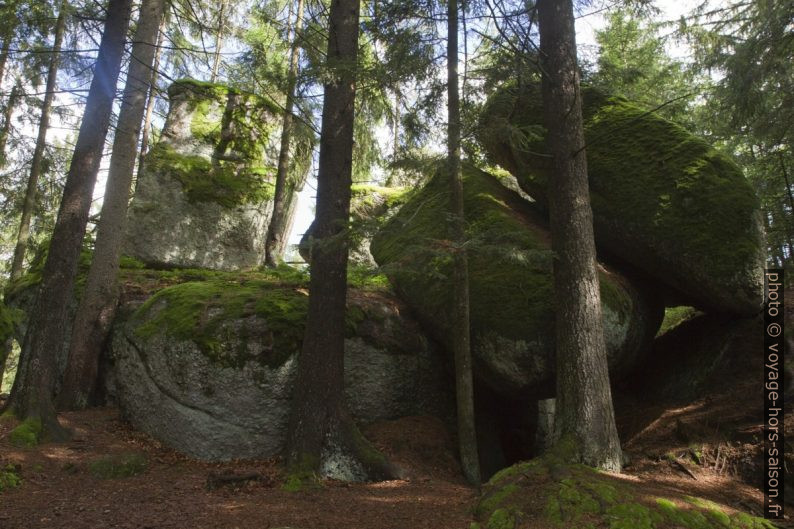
510	283
664	201
204	199
207	367
370	207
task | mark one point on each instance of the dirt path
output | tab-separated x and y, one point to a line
60	489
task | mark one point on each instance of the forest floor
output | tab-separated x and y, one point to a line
68	485
111	476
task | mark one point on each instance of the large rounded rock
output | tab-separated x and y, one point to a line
510	284
204	198
664	201
207	367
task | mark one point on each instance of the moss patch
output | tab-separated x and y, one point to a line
26	434
574	496
9	478
224	183
238	127
200	309
118	466
302	475
510	261
675	316
660	195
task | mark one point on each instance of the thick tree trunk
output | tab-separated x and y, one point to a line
13	99
319	423
100	297
32	395
151	99
29	203
585	421
282	197
461	343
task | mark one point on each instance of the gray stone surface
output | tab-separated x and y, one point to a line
222	132
170	389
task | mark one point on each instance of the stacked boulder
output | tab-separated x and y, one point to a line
665	203
510	284
204	198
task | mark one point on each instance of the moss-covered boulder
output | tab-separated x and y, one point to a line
204	198
207	366
549	494
510	283
664	201
370	207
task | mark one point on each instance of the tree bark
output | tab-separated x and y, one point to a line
29	203
100	297
151	99
32	395
13	99
279	221
461	339
8	38
319	423
585	421
219	41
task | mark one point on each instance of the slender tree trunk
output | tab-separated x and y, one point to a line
38	152
13	99
279	221
585	421
152	98
464	385
32	395
395	130
8	38
219	41
788	220
319	423
100	297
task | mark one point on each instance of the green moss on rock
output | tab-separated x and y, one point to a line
510	268
224	183
578	497
663	199
237	128
202	310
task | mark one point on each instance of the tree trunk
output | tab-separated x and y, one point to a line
32	395
464	385
788	220
8	38
13	99
319	423
219	41
152	98
38	152
585	421
100	297
279	221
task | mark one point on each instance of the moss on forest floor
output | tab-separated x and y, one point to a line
547	493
